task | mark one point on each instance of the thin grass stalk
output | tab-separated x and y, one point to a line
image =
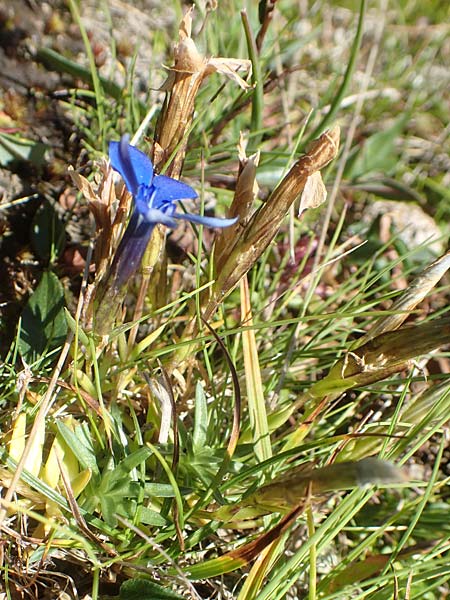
353	125
378	359
312	591
416	291
99	93
260	570
257	81
424	501
419	413
334	108
280	584
179	515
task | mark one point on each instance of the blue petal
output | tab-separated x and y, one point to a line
168	189
131	249
207	221
135	167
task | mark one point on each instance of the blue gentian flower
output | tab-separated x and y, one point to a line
154	201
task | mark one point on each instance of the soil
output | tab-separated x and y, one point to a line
29	108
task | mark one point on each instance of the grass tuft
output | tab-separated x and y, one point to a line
262	411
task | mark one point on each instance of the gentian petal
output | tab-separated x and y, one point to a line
131	249
134	166
207	221
168	189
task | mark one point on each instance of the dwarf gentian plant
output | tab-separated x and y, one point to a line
154	201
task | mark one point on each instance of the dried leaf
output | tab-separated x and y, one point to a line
186	75
314	193
185	27
83	185
229	68
160	392
244	197
358	571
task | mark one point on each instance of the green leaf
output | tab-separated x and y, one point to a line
117	488
201	418
143	589
48	235
147	516
75	327
75	441
44	325
119	502
15	148
122	472
57	62
134	459
120	487
159	490
110	507
378	153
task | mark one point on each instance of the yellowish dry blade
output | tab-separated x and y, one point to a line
410	298
22	489
16	444
60	456
81	481
241	556
260	569
33	463
255	394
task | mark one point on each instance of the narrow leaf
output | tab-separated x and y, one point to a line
201	418
85	455
144	589
379	153
48	235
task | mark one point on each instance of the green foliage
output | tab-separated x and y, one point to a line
43	324
144	589
79	441
15	148
117	492
48	234
379	152
158	477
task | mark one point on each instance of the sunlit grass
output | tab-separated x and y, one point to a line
167	451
